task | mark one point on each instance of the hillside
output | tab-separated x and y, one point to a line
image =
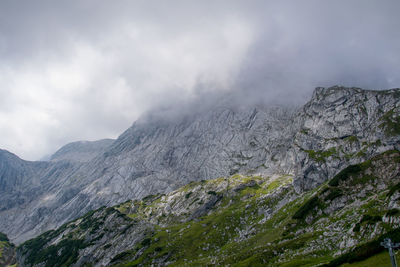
338	127
238	221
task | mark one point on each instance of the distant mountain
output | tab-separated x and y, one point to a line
81	151
239	221
338	127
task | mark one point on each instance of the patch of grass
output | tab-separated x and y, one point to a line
351	139
65	253
390	123
393	189
121	256
333	193
370	219
3	237
345	174
392	212
146	242
273	185
304	131
196	240
321	156
380	259
306	208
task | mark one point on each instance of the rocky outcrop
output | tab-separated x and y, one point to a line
337	127
343	126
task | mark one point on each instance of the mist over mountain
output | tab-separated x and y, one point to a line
109	64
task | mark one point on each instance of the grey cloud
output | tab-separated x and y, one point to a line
87	69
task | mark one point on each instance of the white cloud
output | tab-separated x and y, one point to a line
92	90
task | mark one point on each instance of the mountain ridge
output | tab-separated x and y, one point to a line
156	156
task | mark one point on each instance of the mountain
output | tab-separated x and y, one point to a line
238	221
338	127
81	151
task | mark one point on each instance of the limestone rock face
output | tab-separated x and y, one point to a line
343	126
337	127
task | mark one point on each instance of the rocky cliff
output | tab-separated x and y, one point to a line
342	126
337	127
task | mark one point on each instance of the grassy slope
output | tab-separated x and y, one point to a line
295	236
379	260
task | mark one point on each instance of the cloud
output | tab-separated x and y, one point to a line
87	69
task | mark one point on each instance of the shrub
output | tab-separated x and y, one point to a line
65	253
345	174
120	256
393	189
334	193
3	237
302	212
145	242
392	212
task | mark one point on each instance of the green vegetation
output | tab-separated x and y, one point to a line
345	174
2	245
393	189
380	259
321	156
367	219
212	193
392	212
305	131
333	193
197	240
351	174
3	237
65	253
7	251
351	139
390	123
364	251
306	208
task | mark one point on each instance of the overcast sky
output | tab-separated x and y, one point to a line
87	69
